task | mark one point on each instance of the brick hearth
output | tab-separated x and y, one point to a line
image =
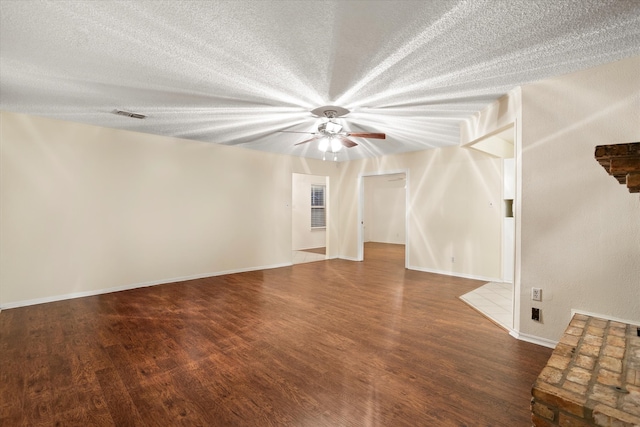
592	378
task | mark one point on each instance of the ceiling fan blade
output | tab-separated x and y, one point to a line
347	142
307	140
367	135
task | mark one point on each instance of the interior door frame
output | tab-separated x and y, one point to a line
407	210
327	206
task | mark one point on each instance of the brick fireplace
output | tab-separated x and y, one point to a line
592	378
622	161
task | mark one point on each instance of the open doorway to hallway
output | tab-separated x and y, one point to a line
309	219
384	212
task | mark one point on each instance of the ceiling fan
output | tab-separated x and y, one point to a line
331	136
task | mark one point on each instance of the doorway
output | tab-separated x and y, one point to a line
382	210
496	300
309	217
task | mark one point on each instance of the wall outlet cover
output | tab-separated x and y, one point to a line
536	294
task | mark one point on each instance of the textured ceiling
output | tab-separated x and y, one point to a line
236	72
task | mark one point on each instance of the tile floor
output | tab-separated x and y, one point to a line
300	257
494	300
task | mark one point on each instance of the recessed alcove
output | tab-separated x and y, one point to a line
508	208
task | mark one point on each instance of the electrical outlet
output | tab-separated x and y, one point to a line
536	294
453	259
535	314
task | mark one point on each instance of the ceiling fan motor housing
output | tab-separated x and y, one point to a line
329	128
330	111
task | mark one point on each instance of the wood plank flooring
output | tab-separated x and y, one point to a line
332	343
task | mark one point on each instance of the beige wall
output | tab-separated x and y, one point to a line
454	209
580	229
86	209
577	229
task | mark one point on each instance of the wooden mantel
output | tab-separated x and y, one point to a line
622	161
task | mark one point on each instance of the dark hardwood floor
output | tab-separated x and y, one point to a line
333	343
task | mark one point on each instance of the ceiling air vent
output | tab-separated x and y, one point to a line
129	114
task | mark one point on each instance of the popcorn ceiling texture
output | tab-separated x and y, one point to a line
236	72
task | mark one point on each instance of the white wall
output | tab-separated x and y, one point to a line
303	236
580	238
85	209
454	209
385	209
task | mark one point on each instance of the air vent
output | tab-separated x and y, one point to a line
129	114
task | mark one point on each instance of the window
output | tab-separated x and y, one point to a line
318	215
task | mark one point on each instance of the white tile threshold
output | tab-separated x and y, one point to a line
494	301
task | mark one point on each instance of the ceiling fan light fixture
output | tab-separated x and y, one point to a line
323	145
331	136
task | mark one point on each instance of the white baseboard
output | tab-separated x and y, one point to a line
350	259
605	316
454	274
533	339
552	344
54	298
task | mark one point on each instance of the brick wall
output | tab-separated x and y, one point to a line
592	378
